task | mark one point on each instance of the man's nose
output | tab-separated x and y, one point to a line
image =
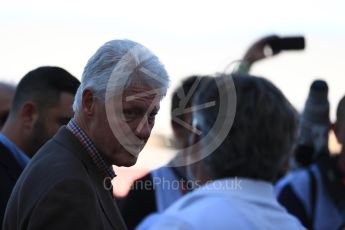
143	130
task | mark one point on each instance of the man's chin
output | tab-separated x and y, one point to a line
127	160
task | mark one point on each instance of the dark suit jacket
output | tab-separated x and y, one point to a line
62	188
9	174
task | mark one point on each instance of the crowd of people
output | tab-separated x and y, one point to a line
245	158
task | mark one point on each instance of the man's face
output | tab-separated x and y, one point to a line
121	134
51	119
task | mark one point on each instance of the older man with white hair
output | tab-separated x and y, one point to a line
67	184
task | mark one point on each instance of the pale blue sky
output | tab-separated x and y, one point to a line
190	37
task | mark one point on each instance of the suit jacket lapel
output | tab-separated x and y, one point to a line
108	204
9	162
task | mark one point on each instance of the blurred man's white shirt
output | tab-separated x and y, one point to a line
234	203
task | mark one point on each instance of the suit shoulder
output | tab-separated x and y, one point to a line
52	165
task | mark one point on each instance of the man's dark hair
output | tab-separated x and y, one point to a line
263	131
43	86
181	93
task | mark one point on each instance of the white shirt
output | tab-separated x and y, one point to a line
21	158
225	204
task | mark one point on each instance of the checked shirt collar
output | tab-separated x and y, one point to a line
86	142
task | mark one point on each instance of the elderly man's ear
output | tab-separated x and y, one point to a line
88	102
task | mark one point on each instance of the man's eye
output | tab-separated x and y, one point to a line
130	114
152	116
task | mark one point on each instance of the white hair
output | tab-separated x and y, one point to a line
115	65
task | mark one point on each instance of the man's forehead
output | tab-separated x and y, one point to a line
140	91
63	105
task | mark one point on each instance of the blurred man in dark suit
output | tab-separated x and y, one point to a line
42	103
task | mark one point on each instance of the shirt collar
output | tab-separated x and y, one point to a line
17	153
243	187
86	142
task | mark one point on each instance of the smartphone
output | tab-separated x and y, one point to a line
287	43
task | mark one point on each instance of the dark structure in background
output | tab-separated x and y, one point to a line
315	125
